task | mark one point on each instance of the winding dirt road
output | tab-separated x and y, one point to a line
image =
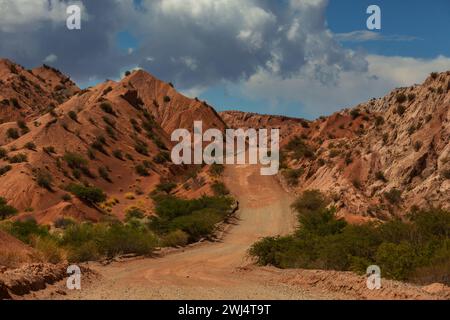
219	270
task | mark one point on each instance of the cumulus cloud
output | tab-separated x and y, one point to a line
193	43
315	98
27	14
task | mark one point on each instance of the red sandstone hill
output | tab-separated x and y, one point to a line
376	160
115	136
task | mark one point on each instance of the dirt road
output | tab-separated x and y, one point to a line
210	270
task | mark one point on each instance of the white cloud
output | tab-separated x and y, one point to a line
317	98
51	58
365	35
20	13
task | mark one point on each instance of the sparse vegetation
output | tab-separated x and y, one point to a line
142	170
18	158
401	248
44	179
103	172
3	153
401	110
73	115
162	157
30	146
220	189
12	133
394	196
6	210
107	108
401	98
292	175
166	99
118	154
216	170
299	149
5	169
91	195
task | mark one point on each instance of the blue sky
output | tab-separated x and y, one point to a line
302	58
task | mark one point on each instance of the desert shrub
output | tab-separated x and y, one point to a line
75	160
110	122
30	146
299	148
44	179
49	249
434	75
6	210
86	241
162	157
134	213
49	149
26	231
166	187
15	103
18	158
12	133
175	238
103	172
379	175
216	169
394	196
220	189
3	153
66	197
411	96
418	145
292	176
400	97
5	169
141	170
107	108
166	99
196	217
379	120
355	113
88	194
99	143
73	115
127	73
141	147
401	110
118	154
403	249
23	126
107	90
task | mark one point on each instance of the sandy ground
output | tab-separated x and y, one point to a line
219	270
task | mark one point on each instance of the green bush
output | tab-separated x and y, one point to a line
5	169
107	108
30	146
166	187
176	238
103	172
404	250
142	170
220	189
394	196
44	179
299	148
134	213
12	133
3	153
196	217
18	158
73	115
118	154
162	157
292	176
6	210
27	230
91	195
